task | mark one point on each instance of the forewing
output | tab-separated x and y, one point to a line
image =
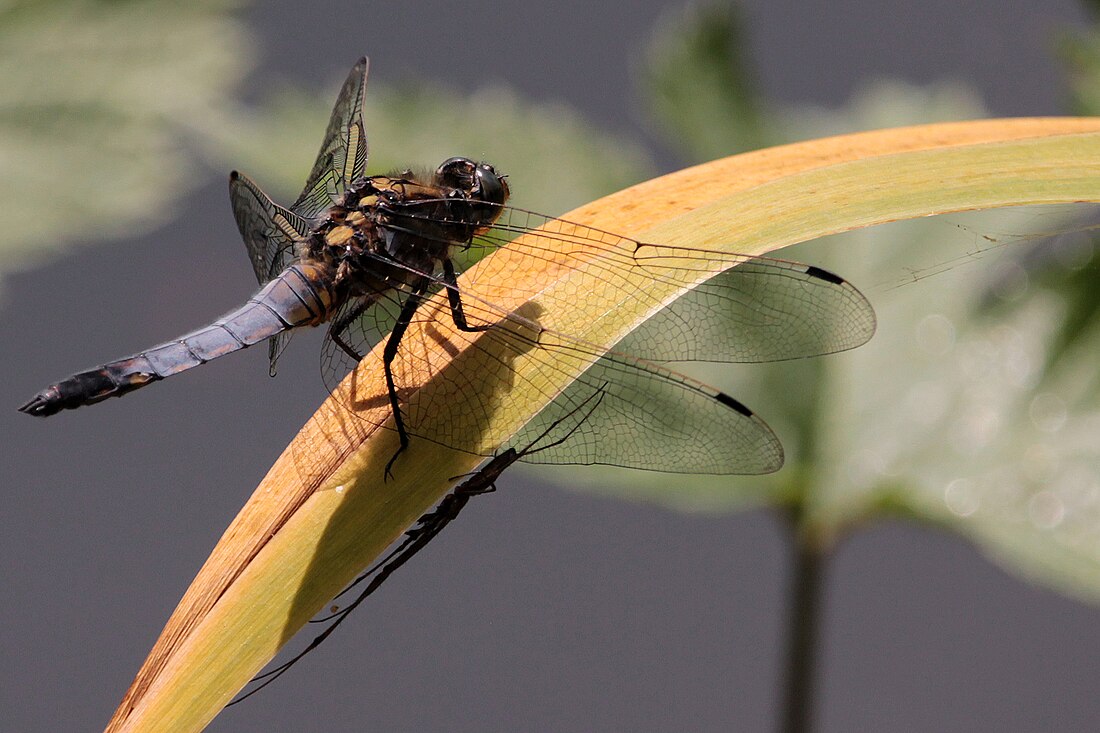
736	308
343	154
759	311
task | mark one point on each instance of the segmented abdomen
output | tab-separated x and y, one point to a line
302	295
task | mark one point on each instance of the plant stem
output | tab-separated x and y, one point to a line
805	620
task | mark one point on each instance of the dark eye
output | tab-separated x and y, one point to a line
491	185
458	168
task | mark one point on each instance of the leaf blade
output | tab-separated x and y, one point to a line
309	528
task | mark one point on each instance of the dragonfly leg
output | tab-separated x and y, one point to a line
343	323
408	309
454	297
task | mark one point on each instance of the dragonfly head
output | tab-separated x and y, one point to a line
492	186
477	183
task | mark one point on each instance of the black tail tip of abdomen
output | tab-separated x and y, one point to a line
42	404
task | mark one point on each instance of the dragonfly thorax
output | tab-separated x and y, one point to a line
395	227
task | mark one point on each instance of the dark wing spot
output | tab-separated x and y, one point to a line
728	401
824	275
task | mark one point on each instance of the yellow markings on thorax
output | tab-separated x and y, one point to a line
339	236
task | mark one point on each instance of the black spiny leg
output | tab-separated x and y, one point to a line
454	297
408	309
342	323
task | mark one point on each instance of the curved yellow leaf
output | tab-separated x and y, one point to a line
324	512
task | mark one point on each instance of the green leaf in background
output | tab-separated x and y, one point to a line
1080	53
98	102
982	419
881	104
105	104
109	107
697	84
957	414
420	125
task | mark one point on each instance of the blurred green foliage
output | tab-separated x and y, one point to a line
975	407
698	86
1081	54
421	125
109	110
98	108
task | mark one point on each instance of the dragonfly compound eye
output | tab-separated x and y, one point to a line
492	187
457	173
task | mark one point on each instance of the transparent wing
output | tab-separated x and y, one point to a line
343	154
644	415
652	418
371	318
754	309
757	309
270	234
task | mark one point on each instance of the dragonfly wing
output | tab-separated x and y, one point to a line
357	326
270	235
637	414
651	418
270	232
759	311
734	307
343	154
644	415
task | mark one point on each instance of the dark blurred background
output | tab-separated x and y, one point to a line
544	608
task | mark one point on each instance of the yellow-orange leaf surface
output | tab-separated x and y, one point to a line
324	512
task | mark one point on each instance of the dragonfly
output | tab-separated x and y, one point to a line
365	254
429	525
